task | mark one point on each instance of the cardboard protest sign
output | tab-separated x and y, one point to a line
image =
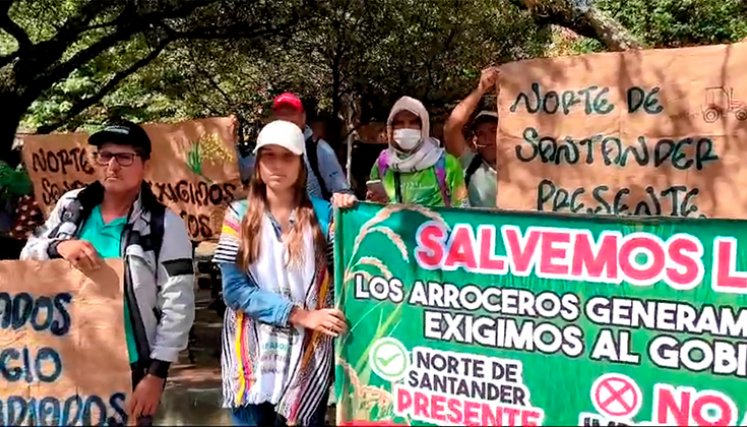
193	169
199	175
479	318
652	132
56	164
64	356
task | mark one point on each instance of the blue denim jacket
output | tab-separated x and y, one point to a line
241	292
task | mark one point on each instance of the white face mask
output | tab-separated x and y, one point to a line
407	139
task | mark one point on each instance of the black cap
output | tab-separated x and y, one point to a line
123	133
484	117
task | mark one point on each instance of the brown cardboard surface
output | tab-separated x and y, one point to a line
65	331
193	169
652	132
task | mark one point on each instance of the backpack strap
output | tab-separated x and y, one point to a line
73	213
440	168
324	215
383	163
472	168
313	156
157	214
323	212
441	177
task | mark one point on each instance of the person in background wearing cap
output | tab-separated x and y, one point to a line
414	169
325	173
114	217
275	255
480	166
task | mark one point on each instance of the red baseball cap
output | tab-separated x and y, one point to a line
288	100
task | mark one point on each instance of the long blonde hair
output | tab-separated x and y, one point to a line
251	224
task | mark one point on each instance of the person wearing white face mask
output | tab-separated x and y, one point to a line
414	169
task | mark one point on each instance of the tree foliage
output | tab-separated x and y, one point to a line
680	23
66	64
60	50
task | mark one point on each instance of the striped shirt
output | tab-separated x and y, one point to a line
287	366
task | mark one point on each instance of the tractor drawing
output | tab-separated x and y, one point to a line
720	101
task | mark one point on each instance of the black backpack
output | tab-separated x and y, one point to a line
75	210
472	168
313	158
157	213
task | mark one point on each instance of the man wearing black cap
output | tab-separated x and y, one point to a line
119	217
480	173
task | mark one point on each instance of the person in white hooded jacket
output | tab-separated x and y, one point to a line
414	169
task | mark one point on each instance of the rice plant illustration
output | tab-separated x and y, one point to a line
371	402
365	398
209	148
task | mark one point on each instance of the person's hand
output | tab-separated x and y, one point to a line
144	400
329	321
344	200
488	79
377	196
80	254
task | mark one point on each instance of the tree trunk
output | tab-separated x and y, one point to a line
589	22
336	100
610	32
33	68
350	111
13	111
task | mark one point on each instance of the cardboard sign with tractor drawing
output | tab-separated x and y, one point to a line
655	132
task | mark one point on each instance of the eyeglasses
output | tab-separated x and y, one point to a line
103	158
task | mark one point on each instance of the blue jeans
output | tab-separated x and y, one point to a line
264	415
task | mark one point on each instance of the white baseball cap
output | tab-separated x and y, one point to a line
485	116
283	134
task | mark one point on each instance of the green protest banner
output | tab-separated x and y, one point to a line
468	317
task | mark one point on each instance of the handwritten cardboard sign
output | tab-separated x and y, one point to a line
653	132
63	351
193	169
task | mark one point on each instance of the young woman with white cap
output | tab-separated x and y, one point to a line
414	169
277	359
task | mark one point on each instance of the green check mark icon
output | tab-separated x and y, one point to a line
385	361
